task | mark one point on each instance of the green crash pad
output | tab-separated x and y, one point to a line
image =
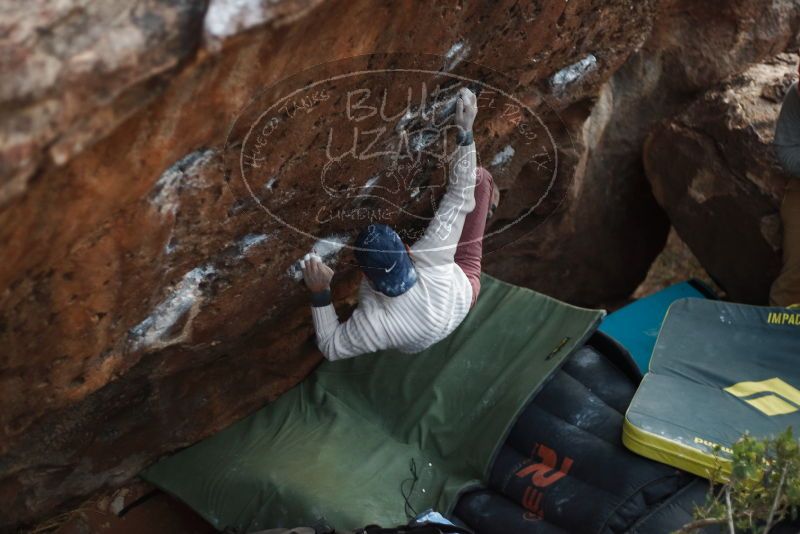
718	370
341	446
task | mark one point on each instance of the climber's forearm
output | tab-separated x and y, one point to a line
438	244
325	318
459	201
326	321
318	277
362	333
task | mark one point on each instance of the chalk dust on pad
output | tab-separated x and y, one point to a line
338	446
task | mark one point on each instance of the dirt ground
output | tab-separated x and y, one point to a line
676	263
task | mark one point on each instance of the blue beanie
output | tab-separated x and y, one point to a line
382	256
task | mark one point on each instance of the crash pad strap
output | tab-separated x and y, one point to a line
378	437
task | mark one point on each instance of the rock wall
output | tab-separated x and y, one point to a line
611	227
148	295
714	171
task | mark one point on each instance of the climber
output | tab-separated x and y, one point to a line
786	288
412	297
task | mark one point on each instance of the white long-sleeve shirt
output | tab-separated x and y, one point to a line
434	306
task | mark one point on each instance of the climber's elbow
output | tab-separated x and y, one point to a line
325	346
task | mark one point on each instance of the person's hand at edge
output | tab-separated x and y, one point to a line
317	277
466	110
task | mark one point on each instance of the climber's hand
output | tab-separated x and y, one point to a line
466	109
316	274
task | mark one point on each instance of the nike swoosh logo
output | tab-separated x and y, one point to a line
390	268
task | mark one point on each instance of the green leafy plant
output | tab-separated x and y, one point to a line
763	489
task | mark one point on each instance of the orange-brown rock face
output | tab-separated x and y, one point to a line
151	214
714	171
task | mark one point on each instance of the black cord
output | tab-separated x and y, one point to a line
414	477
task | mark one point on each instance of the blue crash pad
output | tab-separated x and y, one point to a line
636	325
